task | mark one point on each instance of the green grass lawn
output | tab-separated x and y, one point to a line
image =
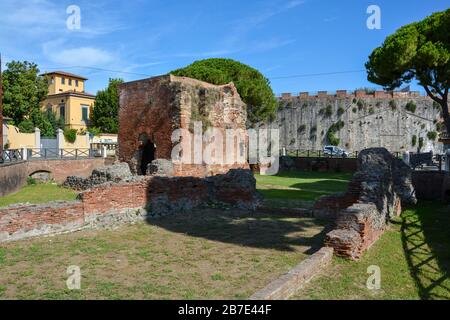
414	258
299	188
38	193
207	254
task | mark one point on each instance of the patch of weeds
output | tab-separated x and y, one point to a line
411	106
217	277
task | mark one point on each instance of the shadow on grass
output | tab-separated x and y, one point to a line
258	230
426	242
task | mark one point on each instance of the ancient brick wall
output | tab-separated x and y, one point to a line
374	196
380	119
13	176
60	169
142	198
22	221
151	109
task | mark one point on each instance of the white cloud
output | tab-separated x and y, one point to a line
58	52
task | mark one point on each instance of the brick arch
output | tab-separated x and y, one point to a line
60	169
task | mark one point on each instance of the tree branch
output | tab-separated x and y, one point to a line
432	96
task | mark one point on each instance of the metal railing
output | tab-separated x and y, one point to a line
50	153
327	154
12	155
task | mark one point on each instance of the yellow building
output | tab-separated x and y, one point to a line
67	98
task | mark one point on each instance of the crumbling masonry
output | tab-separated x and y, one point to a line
375	195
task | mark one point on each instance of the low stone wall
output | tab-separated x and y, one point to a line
112	204
325	164
374	196
288	163
13	176
357	228
289	283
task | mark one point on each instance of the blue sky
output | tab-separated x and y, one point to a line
280	38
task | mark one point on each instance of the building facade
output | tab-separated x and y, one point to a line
68	100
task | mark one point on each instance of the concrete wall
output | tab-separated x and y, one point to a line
370	120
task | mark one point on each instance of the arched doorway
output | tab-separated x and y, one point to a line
148	155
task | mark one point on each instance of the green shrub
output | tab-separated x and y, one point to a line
70	135
26	126
420	143
411	106
354	109
432	135
393	105
371	110
329	111
301	129
340	111
437	105
360	104
440	127
31	181
252	86
331	134
414	140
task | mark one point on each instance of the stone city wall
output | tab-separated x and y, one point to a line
379	119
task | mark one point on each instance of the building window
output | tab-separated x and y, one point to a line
62	111
84	113
52	80
70	82
63	80
76	83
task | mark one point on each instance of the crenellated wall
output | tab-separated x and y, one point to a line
378	119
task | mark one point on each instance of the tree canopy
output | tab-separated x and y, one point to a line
252	86
23	89
105	115
420	51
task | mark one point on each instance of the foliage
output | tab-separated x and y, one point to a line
331	133
31	181
421	143
411	106
360	104
393	105
414	140
26	126
329	111
252	86
432	135
105	114
420	51
70	135
354	110
23	89
301	128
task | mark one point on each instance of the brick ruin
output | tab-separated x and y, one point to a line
129	200
146	183
151	109
375	195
